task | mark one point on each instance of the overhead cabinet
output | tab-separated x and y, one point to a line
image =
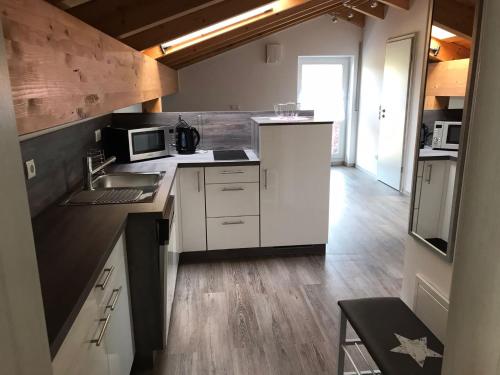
447	78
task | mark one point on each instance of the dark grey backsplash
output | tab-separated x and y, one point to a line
219	130
58	158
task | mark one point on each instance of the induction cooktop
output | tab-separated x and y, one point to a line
230	155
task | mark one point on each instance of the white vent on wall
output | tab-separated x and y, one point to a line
431	307
274	53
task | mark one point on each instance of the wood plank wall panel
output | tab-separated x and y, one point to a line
447	78
63	70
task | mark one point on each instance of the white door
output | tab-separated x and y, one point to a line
193	220
323	85
393	110
294	184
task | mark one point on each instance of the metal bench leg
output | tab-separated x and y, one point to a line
342	341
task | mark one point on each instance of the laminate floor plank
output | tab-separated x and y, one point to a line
280	315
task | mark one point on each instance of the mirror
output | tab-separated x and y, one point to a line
442	134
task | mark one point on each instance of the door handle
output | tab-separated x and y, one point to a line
265	179
103	284
112	305
198	180
231	172
429	174
233	189
99	338
233	222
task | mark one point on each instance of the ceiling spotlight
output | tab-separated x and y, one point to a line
374	4
335	18
350	15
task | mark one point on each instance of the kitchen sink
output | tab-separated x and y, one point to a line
119	188
127	180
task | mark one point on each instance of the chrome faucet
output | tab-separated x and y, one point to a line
89	171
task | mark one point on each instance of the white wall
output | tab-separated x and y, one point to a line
473	337
419	259
240	77
376	33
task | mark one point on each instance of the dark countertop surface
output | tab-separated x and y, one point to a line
430	154
74	242
300	120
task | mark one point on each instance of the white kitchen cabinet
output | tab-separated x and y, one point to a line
192	203
100	341
232	174
294	184
434	198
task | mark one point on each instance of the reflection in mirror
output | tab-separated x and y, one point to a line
442	137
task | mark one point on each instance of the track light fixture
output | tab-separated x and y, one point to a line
350	15
335	18
374	4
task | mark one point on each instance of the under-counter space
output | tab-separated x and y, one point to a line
74	243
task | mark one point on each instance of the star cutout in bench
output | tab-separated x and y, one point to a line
417	349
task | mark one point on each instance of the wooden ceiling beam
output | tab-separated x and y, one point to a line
401	4
249	29
278	28
190	23
455	17
119	17
378	12
205	50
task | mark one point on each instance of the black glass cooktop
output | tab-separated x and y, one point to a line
230	155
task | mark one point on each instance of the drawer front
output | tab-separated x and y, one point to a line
237	199
223	175
232	232
104	284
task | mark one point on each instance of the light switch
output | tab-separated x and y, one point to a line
30	169
98	135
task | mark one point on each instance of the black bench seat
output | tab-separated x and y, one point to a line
398	342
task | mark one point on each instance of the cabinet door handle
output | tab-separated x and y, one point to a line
233	189
231	172
112	305
429	174
265	179
99	338
108	272
233	222
198	179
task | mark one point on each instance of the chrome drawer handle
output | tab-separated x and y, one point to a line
233	222
233	189
231	172
98	341
109	271
112	305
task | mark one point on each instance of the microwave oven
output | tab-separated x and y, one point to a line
446	135
138	144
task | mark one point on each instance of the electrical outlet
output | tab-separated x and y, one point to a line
98	135
30	169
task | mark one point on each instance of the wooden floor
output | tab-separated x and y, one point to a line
280	315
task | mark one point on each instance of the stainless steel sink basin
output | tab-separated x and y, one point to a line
127	180
119	188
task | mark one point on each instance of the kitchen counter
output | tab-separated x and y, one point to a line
270	121
430	154
74	242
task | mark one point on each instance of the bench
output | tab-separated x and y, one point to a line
397	341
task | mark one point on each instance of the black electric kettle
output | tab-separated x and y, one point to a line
186	137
